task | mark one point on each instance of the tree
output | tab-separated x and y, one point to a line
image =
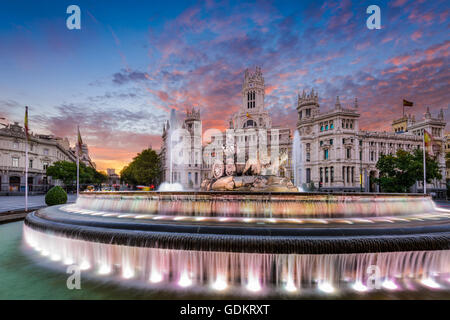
447	160
398	173
67	172
145	169
63	170
447	166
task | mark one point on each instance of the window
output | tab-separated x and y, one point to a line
321	175
249	123
325	154
30	163
45	165
326	127
251	97
326	175
308	157
321	128
321	143
349	153
15	161
46	152
331	142
360	155
15	145
196	178
372	156
308	175
331	125
360	142
332	174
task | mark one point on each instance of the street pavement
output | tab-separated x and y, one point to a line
14	203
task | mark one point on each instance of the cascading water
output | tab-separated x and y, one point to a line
248	271
252	243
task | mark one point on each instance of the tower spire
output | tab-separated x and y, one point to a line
338	103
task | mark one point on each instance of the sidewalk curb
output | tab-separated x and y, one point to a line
19	214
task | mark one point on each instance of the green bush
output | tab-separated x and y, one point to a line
55	195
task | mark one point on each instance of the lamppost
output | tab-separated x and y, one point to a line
361	143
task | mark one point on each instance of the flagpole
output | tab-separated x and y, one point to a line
78	172
26	172
424	166
26	158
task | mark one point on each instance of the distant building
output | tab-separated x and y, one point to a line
113	177
85	157
43	151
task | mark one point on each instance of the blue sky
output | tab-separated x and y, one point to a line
132	62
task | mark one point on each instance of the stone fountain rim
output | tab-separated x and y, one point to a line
260	193
248	239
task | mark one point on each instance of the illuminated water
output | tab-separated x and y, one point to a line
164	241
21	277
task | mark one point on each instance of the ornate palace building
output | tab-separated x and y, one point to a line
43	151
245	124
336	156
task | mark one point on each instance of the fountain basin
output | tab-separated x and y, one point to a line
202	240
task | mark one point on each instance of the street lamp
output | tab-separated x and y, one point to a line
361	142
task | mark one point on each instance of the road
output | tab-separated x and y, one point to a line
14	203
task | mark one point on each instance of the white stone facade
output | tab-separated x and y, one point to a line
43	151
335	150
251	119
336	155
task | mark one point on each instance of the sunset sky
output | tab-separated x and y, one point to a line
133	61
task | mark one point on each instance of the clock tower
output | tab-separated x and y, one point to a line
252	113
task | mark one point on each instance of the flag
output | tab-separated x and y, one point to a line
428	139
80	142
407	103
26	121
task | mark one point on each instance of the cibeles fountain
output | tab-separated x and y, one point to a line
251	232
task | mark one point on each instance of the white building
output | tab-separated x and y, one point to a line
246	123
43	151
336	152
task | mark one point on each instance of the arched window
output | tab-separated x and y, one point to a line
249	123
251	99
